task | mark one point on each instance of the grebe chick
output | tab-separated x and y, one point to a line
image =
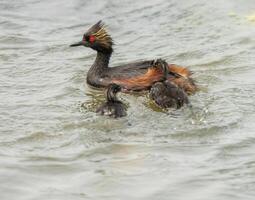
112	107
165	93
134	76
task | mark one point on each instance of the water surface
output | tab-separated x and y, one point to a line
52	148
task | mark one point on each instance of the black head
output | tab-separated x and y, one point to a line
161	65
165	70
111	92
97	38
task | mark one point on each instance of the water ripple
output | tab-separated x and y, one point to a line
50	131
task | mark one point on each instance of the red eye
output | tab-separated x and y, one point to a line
92	38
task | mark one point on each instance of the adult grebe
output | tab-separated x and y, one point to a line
135	76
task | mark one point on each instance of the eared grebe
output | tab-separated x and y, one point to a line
135	76
165	93
112	107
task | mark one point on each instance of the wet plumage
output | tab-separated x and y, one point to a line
112	107
165	93
134	76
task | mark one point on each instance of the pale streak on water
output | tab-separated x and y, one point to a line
51	148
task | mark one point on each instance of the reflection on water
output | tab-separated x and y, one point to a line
54	146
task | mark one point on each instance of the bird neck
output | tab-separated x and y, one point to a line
98	68
111	96
100	64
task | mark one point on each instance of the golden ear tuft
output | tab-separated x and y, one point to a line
101	35
102	39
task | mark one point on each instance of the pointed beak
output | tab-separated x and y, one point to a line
81	43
